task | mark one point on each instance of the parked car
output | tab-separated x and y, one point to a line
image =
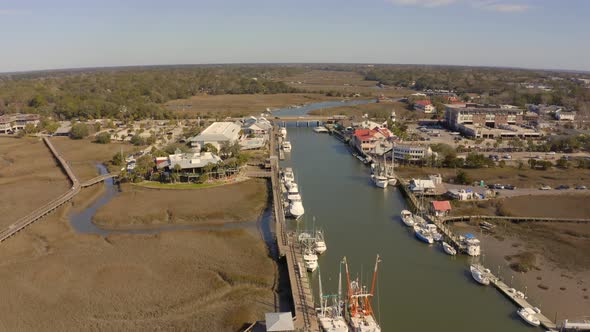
581	188
562	187
497	186
507	156
509	187
545	188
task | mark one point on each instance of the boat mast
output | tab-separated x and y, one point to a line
321	293
339	288
351	300
375	275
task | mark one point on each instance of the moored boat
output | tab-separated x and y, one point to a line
359	309
319	243
407	218
283	132
449	249
320	129
330	314
423	234
310	260
479	274
380	181
286	146
529	316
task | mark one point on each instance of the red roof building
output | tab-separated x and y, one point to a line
441	208
424	106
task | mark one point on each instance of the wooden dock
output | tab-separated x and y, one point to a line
515	219
305	317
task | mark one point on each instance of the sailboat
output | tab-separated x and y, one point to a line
330	314
390	171
379	177
359	309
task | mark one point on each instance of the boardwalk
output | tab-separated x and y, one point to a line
49	207
99	179
515	219
304	311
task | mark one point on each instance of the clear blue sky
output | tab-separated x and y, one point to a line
44	34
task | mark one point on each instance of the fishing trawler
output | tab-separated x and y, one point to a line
379	178
319	244
330	311
359	314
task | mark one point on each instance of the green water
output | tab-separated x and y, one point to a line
419	287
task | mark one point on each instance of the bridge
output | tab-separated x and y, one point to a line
99	179
49	207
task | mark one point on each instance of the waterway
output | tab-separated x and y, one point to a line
305	109
419	287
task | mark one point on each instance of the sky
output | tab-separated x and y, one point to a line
53	34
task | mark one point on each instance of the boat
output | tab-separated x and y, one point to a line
419	220
390	171
423	234
529	315
358	305
286	146
293	188
436	236
407	218
319	243
288	175
479	274
380	181
449	249
330	314
310	260
296	209
472	244
320	129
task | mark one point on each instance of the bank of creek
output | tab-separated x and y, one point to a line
419	287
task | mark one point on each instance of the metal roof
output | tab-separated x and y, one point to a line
279	321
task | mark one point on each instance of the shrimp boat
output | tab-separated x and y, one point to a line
379	178
390	171
449	249
480	274
310	260
359	309
408	218
330	314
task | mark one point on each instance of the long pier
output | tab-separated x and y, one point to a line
98	179
305	317
49	207
515	219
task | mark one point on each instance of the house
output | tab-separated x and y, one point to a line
419	186
366	140
440	208
565	116
256	126
460	194
217	134
424	106
188	162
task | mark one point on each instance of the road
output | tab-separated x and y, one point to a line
49	207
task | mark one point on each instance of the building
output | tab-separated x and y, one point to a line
217	134
366	140
11	123
424	106
188	162
544	109
419	186
411	153
565	116
440	208
256	126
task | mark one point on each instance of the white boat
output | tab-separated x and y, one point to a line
319	244
293	197
310	260
449	249
473	247
293	188
419	220
283	132
423	234
380	181
304	237
288	175
529	315
330	314
407	218
296	209
436	236
479	274
286	146
390	171
320	129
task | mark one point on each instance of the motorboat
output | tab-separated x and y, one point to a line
319	244
419	220
310	260
283	132
293	188
304	237
286	146
472	244
288	175
296	209
320	129
479	274
529	315
294	197
436	236
423	234
408	218
449	249
380	181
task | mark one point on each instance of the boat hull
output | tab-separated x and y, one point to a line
424	238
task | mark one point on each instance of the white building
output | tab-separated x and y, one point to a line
419	186
565	116
412	153
187	161
217	134
11	123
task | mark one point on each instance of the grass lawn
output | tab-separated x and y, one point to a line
159	185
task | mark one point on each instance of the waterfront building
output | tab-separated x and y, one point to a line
256	126
217	134
411	153
420	186
440	208
424	106
366	140
188	162
11	123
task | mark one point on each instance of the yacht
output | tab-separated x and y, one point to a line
286	146
407	218
288	175
472	244
296	209
320	129
319	244
293	188
529	315
449	249
423	234
310	260
480	274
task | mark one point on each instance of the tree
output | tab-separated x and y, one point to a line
79	131
210	148
137	140
117	159
102	138
462	178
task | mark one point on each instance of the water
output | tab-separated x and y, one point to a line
419	287
302	111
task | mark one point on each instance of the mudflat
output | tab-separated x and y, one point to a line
57	280
243	201
29	177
